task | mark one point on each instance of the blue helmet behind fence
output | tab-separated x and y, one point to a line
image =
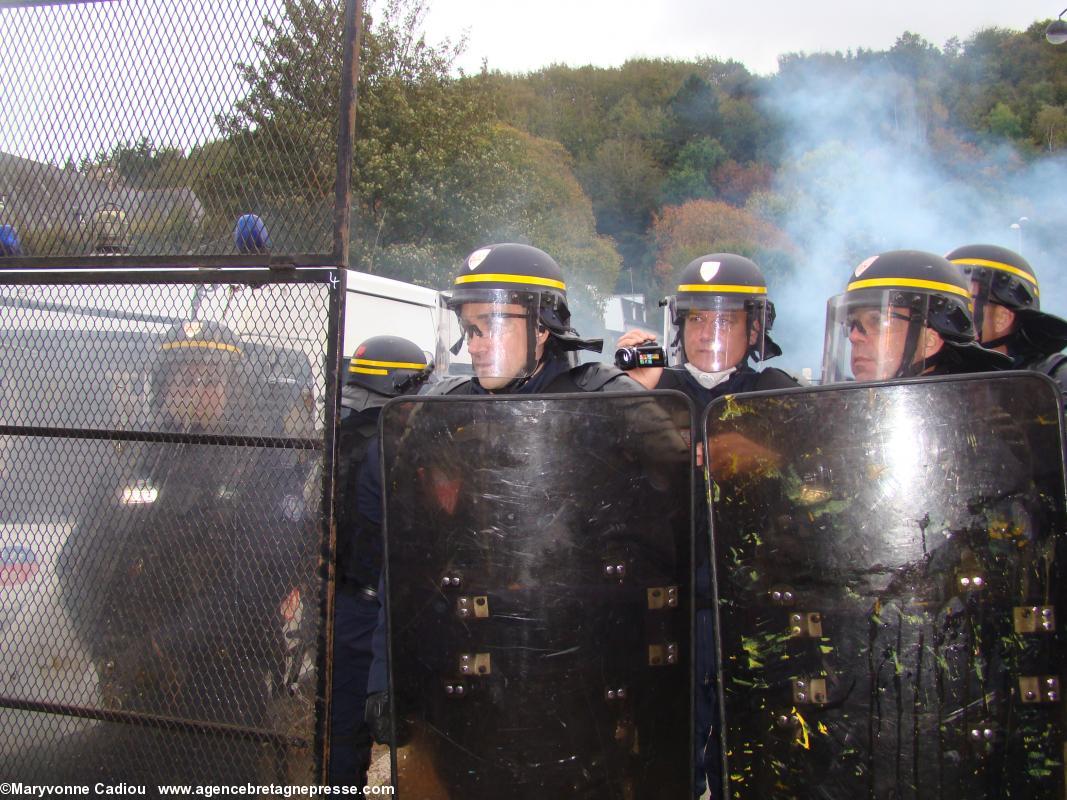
250	235
9	241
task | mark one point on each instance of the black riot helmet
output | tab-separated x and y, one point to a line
196	381
1003	277
530	284
712	293
875	330
384	367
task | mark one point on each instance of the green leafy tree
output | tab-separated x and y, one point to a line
1002	121
141	165
623	179
690	176
745	133
913	56
1050	127
425	166
694	109
541	203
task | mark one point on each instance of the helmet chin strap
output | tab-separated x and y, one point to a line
517	383
994	343
511	386
907	366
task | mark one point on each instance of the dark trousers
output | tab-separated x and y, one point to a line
355	618
706	737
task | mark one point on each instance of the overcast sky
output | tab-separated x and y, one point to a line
520	36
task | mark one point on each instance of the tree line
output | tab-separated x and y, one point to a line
623	173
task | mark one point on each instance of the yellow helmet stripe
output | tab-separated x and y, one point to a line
982	262
366	362
200	344
366	371
722	287
502	278
907	283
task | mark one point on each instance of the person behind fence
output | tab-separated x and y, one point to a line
904	313
1007	310
175	581
721	319
381	368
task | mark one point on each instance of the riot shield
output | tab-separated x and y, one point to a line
889	566
539	555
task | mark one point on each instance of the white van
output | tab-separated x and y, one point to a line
376	306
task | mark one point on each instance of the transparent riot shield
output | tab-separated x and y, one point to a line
889	565
539	555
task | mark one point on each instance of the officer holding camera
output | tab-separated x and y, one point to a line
720	318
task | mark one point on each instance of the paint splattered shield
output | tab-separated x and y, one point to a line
889	563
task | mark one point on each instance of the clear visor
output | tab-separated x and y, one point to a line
870	337
495	340
442	356
197	396
716	333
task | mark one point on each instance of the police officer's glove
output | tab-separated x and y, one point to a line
377	715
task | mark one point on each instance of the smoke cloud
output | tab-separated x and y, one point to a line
871	166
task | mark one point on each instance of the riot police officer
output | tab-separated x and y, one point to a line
510	301
381	368
1007	310
175	580
904	313
511	305
721	319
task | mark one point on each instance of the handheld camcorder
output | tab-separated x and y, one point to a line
646	354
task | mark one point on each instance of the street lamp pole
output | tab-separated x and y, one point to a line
1018	228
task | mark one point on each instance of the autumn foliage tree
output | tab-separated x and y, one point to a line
682	233
735	182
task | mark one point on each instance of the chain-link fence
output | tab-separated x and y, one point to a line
166	433
175	129
163	446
